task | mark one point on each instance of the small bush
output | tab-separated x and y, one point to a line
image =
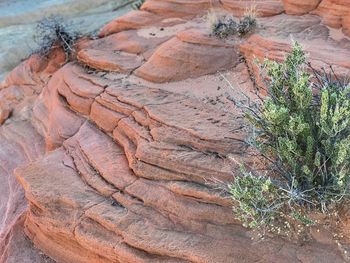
302	128
137	5
245	25
227	26
257	199
52	32
224	27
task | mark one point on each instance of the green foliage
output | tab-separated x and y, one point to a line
257	199
137	5
303	128
302	218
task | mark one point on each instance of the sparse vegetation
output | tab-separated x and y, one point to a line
257	199
137	5
248	22
302	127
245	25
52	32
223	27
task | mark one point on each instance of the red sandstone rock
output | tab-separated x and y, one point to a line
177	8
132	20
277	50
18	248
300	7
261	8
127	41
130	172
346	24
51	116
109	60
104	117
333	12
5	112
97	236
188	55
19	144
26	81
274	43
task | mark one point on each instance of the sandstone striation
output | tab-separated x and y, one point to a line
261	8
334	13
20	143
18	20
117	156
300	7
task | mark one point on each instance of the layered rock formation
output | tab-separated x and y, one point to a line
18	19
20	144
119	153
335	13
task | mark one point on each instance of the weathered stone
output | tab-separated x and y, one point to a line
260	8
119	169
186	56
300	7
110	61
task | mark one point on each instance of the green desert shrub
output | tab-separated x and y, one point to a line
302	127
257	199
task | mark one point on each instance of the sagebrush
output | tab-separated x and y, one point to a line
52	32
302	127
137	4
223	27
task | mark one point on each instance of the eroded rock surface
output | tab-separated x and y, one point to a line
334	13
117	156
18	19
20	143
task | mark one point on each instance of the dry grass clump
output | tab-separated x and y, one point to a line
52	32
137	4
225	26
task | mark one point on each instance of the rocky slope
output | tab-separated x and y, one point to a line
18	20
119	153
